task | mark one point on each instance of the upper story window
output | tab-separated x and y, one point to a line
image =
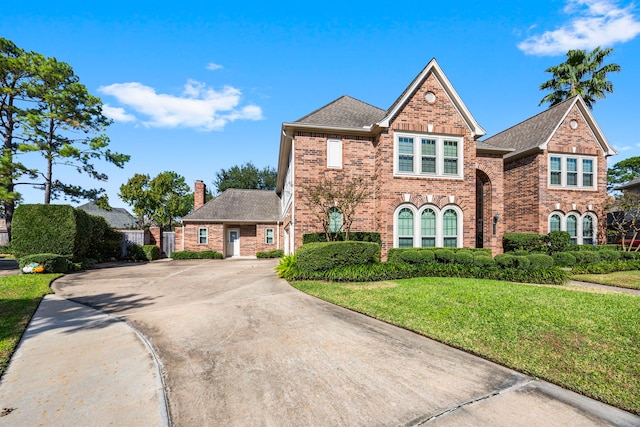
572	172
428	155
334	153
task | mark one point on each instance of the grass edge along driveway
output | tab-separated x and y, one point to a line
20	296
624	279
584	341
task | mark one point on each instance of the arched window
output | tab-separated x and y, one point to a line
587	229
572	227
555	222
428	228
450	228
405	228
335	220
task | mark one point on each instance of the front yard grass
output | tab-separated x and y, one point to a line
623	279
19	298
586	342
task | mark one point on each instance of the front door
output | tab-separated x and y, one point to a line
233	242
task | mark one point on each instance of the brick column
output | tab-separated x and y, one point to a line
156	237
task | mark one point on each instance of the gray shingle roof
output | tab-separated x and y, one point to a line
239	205
630	185
533	132
344	112
117	218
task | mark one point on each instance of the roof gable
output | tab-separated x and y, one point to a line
117	218
535	132
433	68
239	205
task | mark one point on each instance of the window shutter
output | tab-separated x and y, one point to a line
334	153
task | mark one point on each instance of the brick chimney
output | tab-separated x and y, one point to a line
199	191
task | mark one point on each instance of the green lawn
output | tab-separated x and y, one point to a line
19	298
586	342
623	279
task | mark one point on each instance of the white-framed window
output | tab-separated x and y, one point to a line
202	236
571	171
581	228
335	220
334	153
428	155
268	236
428	226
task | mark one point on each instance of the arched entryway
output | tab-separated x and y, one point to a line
483	210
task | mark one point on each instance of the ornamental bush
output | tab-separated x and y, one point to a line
557	241
415	256
276	253
325	256
504	260
52	263
355	236
564	259
528	242
539	261
609	255
40	229
483	261
444	256
463	258
196	255
151	252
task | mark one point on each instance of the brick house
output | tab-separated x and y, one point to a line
433	182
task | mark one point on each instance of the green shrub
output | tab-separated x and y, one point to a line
52	263
39	229
463	258
394	253
5	249
527	242
591	257
135	252
276	253
354	236
625	255
521	262
416	256
520	252
609	255
325	256
564	259
196	255
483	261
286	267
151	252
444	256
606	267
557	241
538	261
504	260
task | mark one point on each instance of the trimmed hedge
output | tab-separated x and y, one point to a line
416	257
354	236
276	253
522	241
538	261
394	253
564	259
52	263
196	255
328	255
606	267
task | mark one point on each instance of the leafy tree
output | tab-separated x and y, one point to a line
65	125
623	172
581	74
246	176
15	74
329	196
624	219
159	200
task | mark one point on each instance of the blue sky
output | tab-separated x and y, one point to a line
194	87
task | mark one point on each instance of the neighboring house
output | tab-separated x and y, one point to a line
556	179
433	182
632	186
236	223
117	218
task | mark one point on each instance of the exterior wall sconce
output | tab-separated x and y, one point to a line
496	217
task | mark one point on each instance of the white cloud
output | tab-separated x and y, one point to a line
197	107
212	66
598	23
117	114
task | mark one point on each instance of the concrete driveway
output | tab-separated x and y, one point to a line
240	347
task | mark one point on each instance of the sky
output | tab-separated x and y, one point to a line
196	87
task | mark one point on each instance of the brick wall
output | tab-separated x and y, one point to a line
522	181
215	237
490	176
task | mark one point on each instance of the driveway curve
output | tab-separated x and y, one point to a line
240	347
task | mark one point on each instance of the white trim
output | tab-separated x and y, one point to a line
236	245
580	173
334	153
417	224
206	236
579	224
417	155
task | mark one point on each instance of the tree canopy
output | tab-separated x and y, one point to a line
160	200
623	172
246	176
581	74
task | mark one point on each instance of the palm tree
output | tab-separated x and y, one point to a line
582	74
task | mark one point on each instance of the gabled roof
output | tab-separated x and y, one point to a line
536	132
117	218
239	205
344	112
433	68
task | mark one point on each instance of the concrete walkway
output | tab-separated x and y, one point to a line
76	366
